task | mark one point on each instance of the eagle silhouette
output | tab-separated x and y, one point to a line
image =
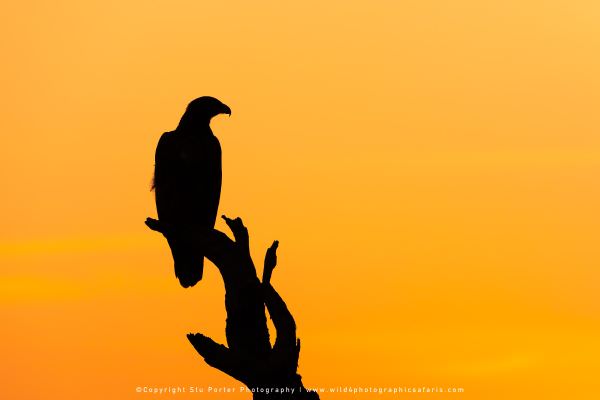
187	184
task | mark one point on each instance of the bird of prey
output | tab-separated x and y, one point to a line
187	184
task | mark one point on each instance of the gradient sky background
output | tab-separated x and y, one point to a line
430	168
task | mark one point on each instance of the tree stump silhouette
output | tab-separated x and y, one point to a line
269	371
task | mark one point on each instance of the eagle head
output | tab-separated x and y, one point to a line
200	111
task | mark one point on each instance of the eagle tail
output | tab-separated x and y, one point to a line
189	262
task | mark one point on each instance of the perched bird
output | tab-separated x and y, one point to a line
187	184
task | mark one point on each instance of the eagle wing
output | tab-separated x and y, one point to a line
166	179
187	184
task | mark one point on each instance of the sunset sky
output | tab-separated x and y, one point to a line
430	168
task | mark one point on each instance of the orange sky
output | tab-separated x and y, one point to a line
430	169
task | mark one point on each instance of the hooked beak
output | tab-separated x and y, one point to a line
226	110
